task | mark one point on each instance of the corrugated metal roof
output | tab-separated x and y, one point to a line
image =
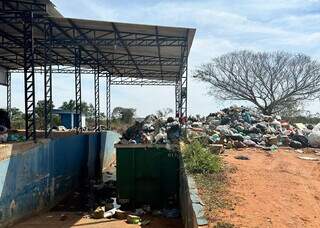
128	50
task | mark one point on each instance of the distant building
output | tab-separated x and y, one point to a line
70	119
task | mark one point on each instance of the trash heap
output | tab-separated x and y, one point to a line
239	127
153	130
4	126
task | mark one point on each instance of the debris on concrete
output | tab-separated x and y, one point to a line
133	219
63	217
121	215
139	212
98	213
171	213
109	213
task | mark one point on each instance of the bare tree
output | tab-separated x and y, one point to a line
273	82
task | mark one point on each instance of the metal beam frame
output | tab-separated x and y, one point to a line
29	80
9	93
48	104
159	51
126	48
181	87
97	50
96	100
83	55
6	5
77	64
108	100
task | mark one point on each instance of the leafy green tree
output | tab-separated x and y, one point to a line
125	115
40	113
17	119
70	106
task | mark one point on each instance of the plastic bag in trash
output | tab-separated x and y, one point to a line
314	139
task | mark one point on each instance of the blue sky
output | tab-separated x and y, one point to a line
222	26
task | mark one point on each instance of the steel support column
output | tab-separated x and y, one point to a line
78	88
108	100
178	98
96	100
184	93
48	81
29	81
9	93
181	87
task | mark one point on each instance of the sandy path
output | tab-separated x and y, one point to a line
278	190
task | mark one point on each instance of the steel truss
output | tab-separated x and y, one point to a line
29	81
48	104
6	5
96	100
85	51
77	64
9	93
108	101
182	85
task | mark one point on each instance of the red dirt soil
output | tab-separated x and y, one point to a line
272	190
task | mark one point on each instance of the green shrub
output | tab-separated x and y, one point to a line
198	159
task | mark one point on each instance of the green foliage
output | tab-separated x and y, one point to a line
125	115
198	159
40	114
68	106
71	107
17	119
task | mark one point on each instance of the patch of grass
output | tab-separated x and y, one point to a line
199	160
210	174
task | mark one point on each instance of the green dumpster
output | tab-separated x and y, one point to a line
147	175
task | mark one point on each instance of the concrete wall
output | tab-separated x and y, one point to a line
107	150
192	211
34	177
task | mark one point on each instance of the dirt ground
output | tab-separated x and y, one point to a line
272	190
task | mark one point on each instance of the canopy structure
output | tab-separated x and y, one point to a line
36	38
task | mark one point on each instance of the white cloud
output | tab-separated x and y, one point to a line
222	26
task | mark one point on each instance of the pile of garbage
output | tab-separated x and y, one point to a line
239	127
153	130
4	126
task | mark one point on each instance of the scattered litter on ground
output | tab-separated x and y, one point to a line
308	158
242	157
